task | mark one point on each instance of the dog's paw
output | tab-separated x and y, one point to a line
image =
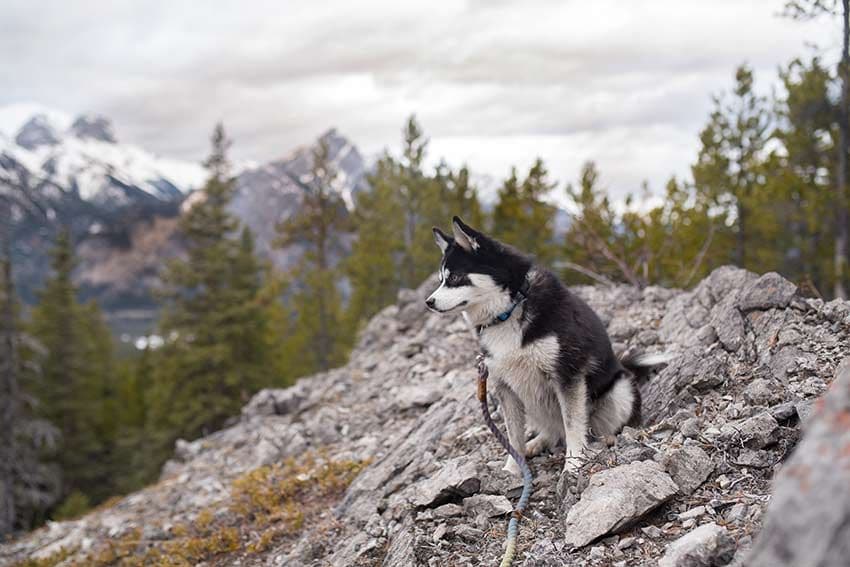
537	445
511	467
573	462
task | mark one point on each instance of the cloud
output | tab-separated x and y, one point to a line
494	83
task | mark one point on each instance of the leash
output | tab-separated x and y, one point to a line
513	525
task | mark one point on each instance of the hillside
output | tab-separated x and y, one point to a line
400	423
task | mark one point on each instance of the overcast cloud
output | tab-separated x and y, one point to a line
495	83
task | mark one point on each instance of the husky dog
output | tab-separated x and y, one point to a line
548	353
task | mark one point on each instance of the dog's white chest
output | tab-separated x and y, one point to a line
527	369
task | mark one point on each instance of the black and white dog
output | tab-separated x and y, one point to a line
548	353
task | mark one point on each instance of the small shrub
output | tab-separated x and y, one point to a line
74	506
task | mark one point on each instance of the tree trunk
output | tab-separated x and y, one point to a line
841	231
741	242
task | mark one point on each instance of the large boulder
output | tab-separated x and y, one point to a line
808	521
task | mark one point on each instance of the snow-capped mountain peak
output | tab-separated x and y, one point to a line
93	127
82	157
37	132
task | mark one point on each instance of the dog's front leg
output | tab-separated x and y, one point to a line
514	413
573	401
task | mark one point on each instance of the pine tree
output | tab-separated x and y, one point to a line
76	374
806	9
804	176
521	217
372	266
214	356
319	228
462	198
729	167
507	212
30	483
10	393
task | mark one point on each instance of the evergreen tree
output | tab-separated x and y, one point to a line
372	266
423	202
803	176
729	166
521	217
76	374
462	197
840	115
319	228
214	356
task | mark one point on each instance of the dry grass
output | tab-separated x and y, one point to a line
266	506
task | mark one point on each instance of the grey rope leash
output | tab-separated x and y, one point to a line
513	524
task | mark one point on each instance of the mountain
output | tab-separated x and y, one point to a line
268	194
741	457
122	204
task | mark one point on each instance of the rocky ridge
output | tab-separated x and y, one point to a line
691	486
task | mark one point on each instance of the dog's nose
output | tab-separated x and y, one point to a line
430	302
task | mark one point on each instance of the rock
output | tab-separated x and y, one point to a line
448	511
770	291
597	553
783	412
737	513
804	411
706	546
419	395
695	512
626	542
615	499
689	466
760	392
813	489
691	427
756	432
490	505
401	551
276	401
456	478
754	458
439	532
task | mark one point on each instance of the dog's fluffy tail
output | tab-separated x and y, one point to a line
641	365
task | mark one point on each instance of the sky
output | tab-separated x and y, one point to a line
494	83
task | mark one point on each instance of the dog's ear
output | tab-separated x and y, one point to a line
466	237
442	239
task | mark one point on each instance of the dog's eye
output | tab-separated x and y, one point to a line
454	278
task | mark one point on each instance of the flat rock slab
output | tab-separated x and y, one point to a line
709	545
616	498
457	478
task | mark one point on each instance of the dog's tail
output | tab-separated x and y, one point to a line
641	366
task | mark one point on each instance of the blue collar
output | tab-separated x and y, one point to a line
520	297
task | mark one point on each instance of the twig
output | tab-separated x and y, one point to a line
701	255
584	271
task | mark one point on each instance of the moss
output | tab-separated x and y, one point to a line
267	505
276	497
50	561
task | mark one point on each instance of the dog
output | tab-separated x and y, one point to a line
548	353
